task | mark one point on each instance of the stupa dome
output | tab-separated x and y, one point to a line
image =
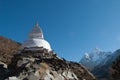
36	39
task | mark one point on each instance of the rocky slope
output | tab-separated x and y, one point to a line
38	64
8	48
44	65
116	69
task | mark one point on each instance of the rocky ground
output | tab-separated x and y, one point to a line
43	65
39	64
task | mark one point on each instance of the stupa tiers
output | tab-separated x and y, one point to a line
36	40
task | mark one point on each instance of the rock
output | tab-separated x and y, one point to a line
13	78
3	71
31	76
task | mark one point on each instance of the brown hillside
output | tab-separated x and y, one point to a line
8	48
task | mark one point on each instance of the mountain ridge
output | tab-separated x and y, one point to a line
102	68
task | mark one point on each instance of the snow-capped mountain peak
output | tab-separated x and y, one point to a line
87	57
97	50
94	58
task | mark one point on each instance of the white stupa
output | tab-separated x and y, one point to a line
36	39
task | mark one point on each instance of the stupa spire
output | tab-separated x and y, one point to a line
36	32
36	24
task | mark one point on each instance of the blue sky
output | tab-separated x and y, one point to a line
72	27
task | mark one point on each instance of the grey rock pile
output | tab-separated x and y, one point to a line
44	65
